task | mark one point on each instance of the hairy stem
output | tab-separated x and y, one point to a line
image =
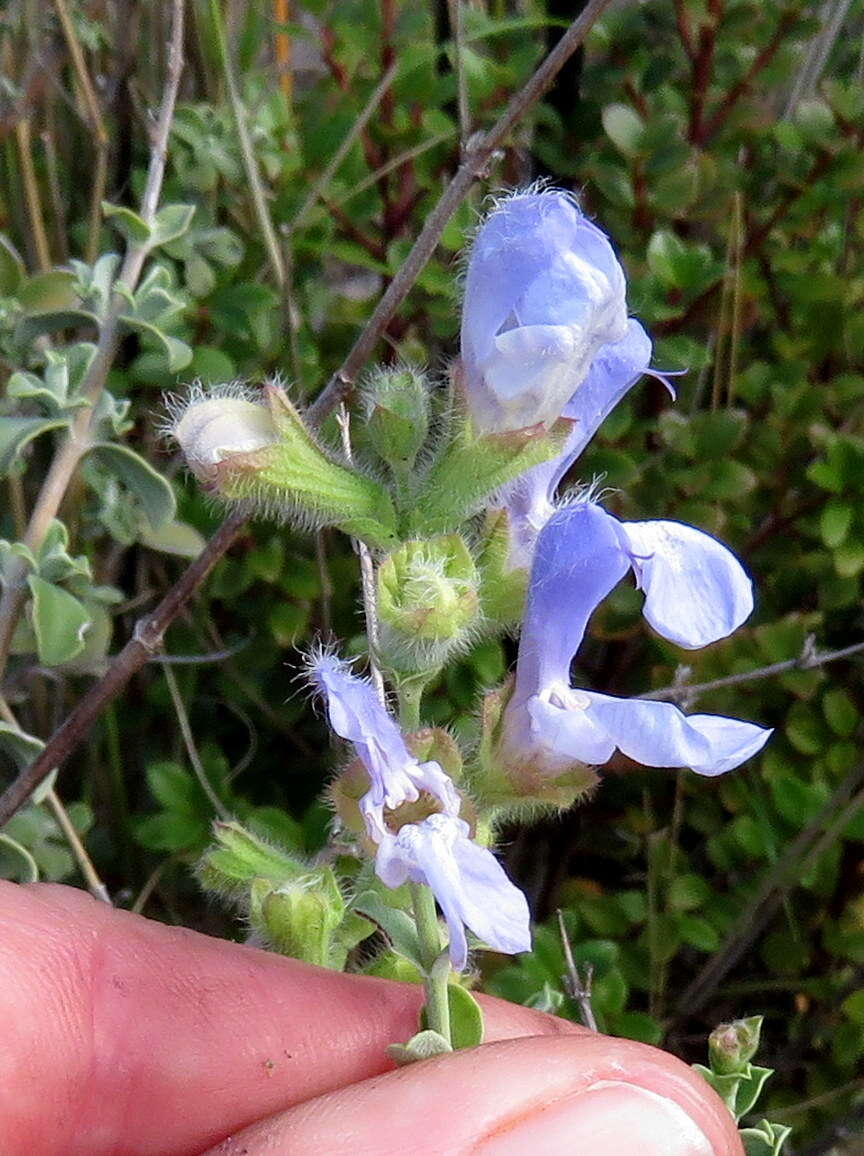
437	971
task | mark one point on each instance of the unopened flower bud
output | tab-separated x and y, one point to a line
210	428
259	453
544	292
732	1046
428	602
238	856
397	423
301	917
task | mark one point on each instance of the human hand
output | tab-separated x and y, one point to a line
123	1037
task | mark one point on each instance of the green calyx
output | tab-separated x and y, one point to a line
307	919
237	856
293	475
509	786
397	415
502	589
428	602
297	909
471	467
731	1046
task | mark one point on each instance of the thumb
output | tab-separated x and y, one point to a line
538	1095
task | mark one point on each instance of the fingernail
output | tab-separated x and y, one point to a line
610	1117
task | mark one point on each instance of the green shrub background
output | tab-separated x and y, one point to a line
731	182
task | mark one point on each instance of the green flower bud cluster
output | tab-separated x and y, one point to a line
292	907
411	489
739	1083
428	603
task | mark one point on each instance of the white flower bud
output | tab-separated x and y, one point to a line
211	427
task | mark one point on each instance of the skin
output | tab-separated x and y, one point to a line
123	1037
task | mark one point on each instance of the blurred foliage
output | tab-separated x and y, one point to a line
720	144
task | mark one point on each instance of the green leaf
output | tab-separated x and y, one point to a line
60	622
179	354
49	291
171	831
397	925
840	712
679	265
128	223
11	267
152	490
18	745
765	1140
466	1017
17	432
52	320
625	128
176	538
687	892
698	932
750	1089
834	523
172	221
173	786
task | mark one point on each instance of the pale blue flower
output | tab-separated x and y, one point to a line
395	775
543	292
467	880
695	593
530	500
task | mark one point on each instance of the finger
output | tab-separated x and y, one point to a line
152	1039
584	1093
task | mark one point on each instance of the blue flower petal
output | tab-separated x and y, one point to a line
469	883
395	776
578	560
537	265
657	734
696	590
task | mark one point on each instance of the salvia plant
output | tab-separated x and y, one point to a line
460	498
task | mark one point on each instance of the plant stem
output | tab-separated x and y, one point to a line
247	151
410	692
436	964
94	884
367	574
189	742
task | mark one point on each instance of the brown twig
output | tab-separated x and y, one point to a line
740	87
474	163
682	22
145	642
578	989
807	660
149	632
703	70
